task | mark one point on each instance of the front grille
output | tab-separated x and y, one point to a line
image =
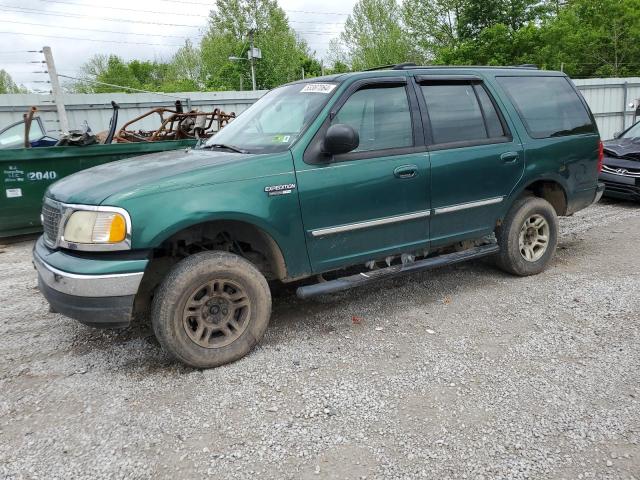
51	216
625	172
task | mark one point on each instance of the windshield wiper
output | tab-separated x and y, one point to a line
227	147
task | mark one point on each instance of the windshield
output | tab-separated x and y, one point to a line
633	132
275	121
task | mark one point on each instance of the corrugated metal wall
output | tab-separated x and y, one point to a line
609	99
96	109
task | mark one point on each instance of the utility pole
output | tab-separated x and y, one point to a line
252	59
56	90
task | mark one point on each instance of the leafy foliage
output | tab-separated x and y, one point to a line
284	56
584	37
7	85
374	36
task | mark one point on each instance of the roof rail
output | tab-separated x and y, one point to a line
393	66
412	66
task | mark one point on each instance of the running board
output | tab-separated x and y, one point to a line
345	283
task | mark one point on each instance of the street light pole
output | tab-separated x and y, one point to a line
252	60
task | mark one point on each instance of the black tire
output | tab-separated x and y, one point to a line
191	333
511	258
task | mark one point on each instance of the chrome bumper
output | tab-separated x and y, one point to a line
115	285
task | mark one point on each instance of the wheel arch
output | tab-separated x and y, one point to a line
243	229
553	190
182	241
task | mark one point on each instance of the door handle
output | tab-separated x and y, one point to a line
406	171
510	157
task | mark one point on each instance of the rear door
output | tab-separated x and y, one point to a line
374	201
475	159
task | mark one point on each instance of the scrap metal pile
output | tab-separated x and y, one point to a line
176	125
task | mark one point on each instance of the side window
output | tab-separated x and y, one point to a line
381	116
548	106
494	125
461	112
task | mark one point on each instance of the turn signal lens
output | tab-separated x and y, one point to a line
95	227
118	229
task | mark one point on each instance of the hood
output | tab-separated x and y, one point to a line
176	169
629	148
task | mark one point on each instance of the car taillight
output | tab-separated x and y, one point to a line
600	156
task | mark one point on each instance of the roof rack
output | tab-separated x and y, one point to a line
411	66
393	66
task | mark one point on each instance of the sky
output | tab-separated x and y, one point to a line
144	29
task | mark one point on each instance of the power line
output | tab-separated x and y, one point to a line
77	15
127	33
171	13
209	5
13	52
97	30
89	80
92	39
77	4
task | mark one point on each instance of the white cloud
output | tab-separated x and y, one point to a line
80	18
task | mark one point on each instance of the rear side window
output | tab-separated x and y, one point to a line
461	112
548	106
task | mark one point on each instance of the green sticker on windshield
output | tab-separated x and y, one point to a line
282	138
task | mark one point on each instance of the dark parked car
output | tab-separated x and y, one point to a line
621	165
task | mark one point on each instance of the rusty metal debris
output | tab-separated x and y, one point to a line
176	125
28	118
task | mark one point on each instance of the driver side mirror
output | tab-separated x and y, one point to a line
340	138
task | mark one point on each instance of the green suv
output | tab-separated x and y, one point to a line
341	180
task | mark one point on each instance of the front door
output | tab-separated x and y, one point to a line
475	160
374	201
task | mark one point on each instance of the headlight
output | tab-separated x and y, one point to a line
95	227
100	229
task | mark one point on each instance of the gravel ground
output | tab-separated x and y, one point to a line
463	372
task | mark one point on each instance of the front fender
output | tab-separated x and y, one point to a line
157	217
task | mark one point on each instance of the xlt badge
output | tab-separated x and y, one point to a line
280	189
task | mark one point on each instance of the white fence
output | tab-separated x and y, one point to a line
96	109
609	99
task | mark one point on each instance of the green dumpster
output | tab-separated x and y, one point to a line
27	172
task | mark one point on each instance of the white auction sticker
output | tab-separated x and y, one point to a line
14	192
318	88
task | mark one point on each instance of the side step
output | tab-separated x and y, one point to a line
345	283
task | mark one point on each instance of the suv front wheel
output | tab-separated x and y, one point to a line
211	309
528	237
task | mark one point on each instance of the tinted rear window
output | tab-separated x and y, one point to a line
548	106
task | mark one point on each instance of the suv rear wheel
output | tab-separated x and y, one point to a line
211	309
528	237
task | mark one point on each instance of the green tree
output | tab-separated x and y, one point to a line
595	38
433	25
283	54
374	35
184	71
7	85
